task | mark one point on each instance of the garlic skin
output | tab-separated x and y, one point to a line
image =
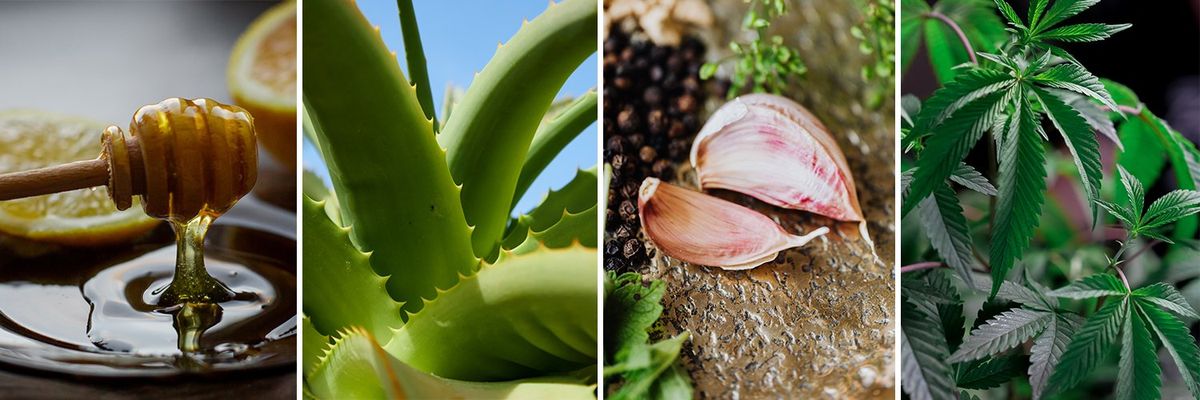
705	230
773	149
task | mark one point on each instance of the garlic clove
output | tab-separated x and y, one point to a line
705	230
771	148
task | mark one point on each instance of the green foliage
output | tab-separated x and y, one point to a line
875	38
406	249
647	370
918	20
1094	328
766	63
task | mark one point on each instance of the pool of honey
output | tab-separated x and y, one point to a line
95	312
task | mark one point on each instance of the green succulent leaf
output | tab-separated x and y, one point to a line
340	288
923	351
1138	376
552	136
1091	287
1180	344
1004	332
565	215
1047	350
380	149
942	219
1022	191
414	56
495	122
571	229
1090	345
503	324
313	346
1082	32
356	367
1166	297
1080	140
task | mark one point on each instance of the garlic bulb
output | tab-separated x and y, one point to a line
771	148
705	230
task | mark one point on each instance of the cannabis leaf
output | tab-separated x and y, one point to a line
1169	208
1091	287
1091	343
923	355
988	373
1041	27
1005	331
1139	376
943	221
1047	350
1022	191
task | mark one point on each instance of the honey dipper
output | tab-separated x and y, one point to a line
183	157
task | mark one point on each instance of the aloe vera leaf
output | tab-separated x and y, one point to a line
383	157
414	57
489	136
340	289
314	344
554	134
525	316
570	229
574	198
378	375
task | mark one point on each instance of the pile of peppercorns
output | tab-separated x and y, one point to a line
652	100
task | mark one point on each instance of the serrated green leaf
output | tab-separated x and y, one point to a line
1046	351
970	178
950	143
1082	32
552	136
1061	10
924	372
1014	292
1005	331
989	372
314	345
494	123
1090	345
507	325
1180	344
1137	195
563	216
950	313
630	308
1171	207
942	219
1123	213
1080	140
380	151
341	290
1022	192
571	229
1009	13
1075	78
1166	297
1093	286
1138	376
1036	8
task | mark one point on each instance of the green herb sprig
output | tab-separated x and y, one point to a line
765	63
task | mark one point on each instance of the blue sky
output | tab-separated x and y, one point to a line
459	38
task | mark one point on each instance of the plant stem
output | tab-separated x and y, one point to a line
1117	259
920	266
958	31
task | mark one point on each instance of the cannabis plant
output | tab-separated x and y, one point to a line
1001	98
417	283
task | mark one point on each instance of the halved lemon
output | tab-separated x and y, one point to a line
262	79
86	217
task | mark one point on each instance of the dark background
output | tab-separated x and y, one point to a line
1158	57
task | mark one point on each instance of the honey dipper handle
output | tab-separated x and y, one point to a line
60	178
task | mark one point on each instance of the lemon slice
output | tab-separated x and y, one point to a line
262	79
84	217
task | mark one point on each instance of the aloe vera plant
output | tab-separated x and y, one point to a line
417	282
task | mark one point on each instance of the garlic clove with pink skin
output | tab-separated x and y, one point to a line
705	230
773	149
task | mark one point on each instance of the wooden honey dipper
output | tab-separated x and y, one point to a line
183	157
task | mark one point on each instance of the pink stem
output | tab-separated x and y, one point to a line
1123	279
920	266
961	36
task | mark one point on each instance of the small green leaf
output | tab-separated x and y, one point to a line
1046	351
924	372
1137	194
1082	32
663	355
708	70
1098	285
942	219
1139	376
970	178
1125	214
1168	298
1178	342
1022	191
1171	207
1005	331
1090	345
630	308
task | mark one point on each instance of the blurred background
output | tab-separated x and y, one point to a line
459	37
